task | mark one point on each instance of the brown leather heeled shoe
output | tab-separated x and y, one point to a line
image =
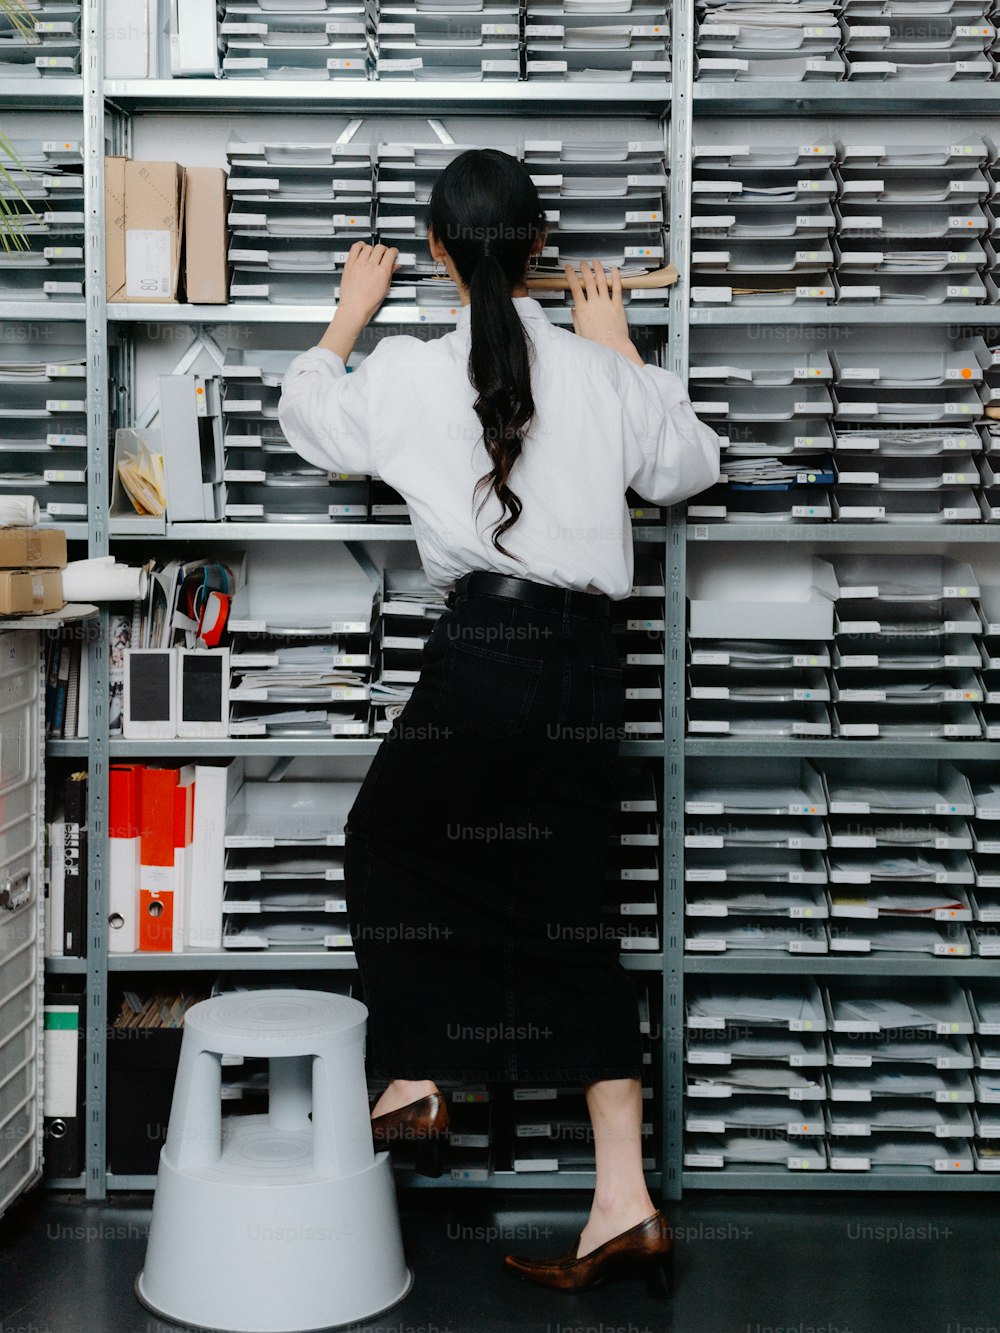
645	1249
426	1121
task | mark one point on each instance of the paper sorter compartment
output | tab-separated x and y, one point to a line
926	653
708	865
935	938
279	932
892	617
764	935
775	787
263	814
725	602
890	1007
707	717
796	834
942	832
905	474
781	1004
907	866
775	438
731	1152
903	722
768	898
896	787
757	654
795	504
761	369
752	687
865	685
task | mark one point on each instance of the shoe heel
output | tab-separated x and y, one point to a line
429	1157
659	1275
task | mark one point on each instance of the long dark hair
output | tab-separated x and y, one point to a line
485	211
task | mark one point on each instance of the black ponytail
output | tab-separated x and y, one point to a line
485	211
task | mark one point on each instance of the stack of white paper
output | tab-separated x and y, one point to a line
597	40
794	40
323	39
295	209
444	40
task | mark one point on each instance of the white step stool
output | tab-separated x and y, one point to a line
276	1223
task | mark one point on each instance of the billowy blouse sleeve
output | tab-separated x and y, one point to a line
670	454
324	412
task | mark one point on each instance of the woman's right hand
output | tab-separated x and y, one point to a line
598	309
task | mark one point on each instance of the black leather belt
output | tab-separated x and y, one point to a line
543	595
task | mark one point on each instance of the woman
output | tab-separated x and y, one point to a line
477	850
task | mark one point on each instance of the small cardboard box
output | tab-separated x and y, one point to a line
29	548
205	236
154	216
114	226
25	590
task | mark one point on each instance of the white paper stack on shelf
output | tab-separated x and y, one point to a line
772	411
43	428
762	223
52	264
984	1001
769	1113
404	618
796	40
454	40
989	648
754	870
897	619
898	1052
318	39
985	897
52	48
295	211
606	41
604	199
284	863
265	479
909	424
301	645
942	45
911	222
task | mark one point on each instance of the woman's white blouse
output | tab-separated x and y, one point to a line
601	424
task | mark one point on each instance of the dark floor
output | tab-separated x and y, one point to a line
746	1263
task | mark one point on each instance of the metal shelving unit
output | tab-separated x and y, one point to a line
109	108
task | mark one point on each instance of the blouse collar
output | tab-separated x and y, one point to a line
526	306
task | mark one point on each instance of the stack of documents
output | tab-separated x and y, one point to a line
51	49
321	39
404	618
604	199
615	41
754	869
901	40
984	1001
755	1074
43	419
265	479
284	869
904	663
985	897
796	40
911	221
762	224
448	39
758	688
295	211
52	183
301	646
772	411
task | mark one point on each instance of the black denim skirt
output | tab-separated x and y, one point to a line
477	857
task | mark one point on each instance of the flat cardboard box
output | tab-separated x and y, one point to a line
30	548
25	590
154	215
114	226
205	236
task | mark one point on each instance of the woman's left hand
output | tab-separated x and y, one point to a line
365	280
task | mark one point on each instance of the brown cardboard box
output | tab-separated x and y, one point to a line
25	590
29	548
114	226
205	236
154	215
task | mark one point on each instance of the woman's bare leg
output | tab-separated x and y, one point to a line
402	1091
621	1199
